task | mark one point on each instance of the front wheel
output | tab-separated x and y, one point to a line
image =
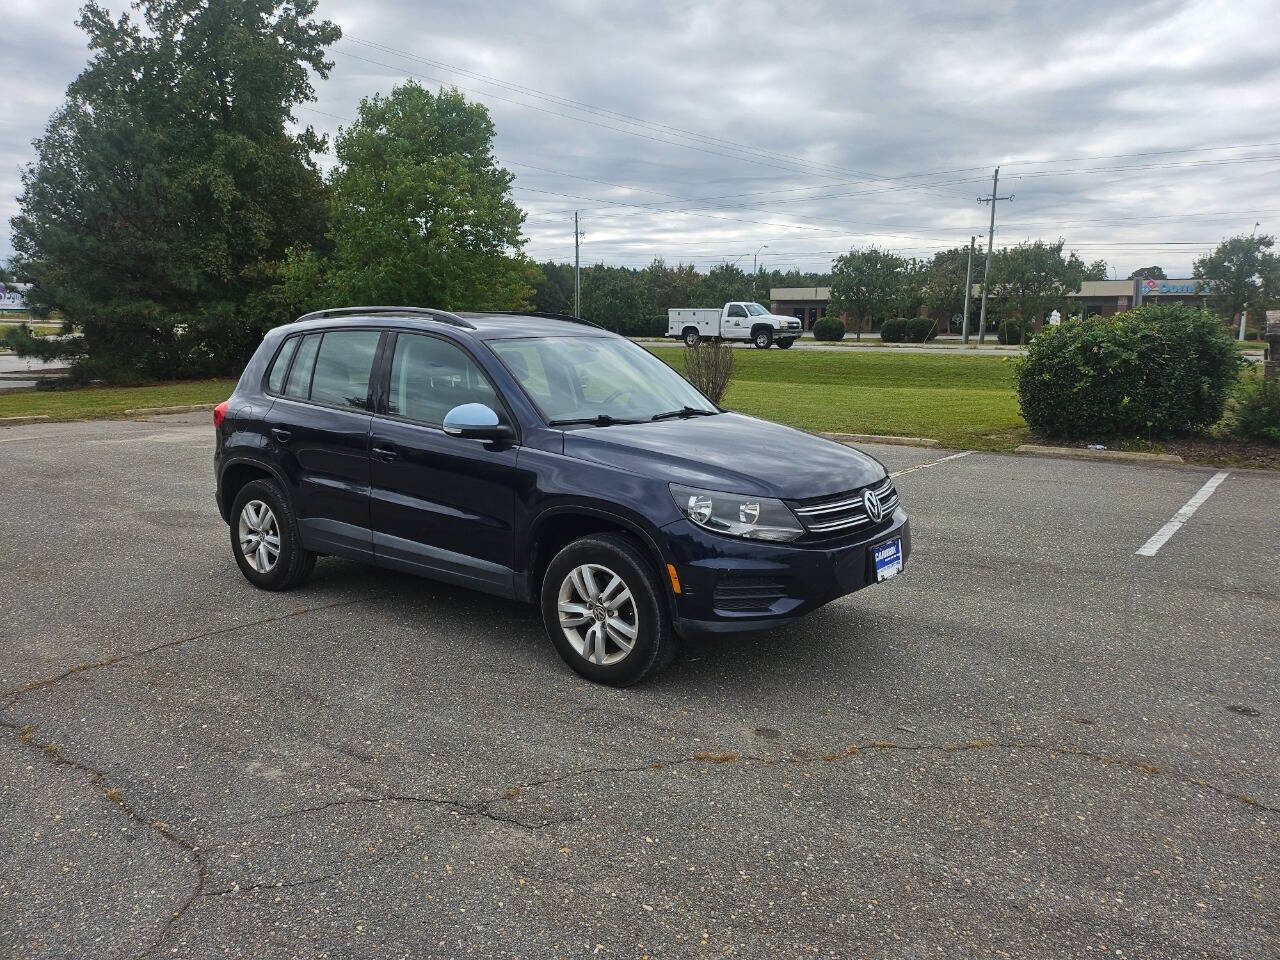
602	608
691	337
763	339
785	344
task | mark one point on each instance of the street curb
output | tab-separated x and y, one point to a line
186	408
19	421
1078	453
875	438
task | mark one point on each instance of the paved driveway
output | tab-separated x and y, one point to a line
1035	743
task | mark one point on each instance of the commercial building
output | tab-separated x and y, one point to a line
805	303
1094	298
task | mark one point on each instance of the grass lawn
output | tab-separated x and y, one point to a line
960	401
93	402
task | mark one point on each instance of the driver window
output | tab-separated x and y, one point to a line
430	376
737	310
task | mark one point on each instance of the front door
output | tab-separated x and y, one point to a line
442	506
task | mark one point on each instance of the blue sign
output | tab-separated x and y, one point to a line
1176	288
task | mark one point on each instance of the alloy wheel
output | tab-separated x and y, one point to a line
598	614
259	535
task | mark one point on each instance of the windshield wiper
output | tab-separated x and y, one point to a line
684	412
599	420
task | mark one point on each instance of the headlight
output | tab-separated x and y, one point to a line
756	518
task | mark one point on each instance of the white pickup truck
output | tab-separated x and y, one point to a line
738	320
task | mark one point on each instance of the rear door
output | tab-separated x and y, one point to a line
319	428
442	506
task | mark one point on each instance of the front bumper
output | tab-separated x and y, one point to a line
729	585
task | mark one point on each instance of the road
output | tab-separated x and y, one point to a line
1034	743
990	349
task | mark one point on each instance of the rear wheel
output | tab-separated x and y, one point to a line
603	609
265	540
691	337
763	339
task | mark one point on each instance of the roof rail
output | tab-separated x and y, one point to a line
444	316
546	315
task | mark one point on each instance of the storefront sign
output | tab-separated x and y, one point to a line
12	298
1175	288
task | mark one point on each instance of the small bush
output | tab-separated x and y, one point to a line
894	331
921	329
1256	409
828	328
709	367
1014	331
1156	370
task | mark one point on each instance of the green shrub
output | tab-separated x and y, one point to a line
828	328
1256	409
1013	331
894	331
1155	370
921	329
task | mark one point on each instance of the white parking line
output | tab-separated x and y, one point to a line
931	463
1152	546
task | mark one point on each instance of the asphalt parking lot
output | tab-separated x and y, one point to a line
1035	743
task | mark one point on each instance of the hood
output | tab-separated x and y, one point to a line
729	452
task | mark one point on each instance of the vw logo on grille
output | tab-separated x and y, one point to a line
873	507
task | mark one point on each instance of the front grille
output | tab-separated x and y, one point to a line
846	511
748	593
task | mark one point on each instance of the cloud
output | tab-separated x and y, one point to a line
699	132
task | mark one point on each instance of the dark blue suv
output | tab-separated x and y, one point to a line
548	460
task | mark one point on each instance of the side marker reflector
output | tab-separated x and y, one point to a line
675	579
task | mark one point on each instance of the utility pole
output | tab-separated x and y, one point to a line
577	271
991	236
968	289
1244	310
754	266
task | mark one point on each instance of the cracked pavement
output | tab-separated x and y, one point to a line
1033	744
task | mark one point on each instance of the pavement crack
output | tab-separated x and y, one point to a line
88	665
52	753
853	750
250	888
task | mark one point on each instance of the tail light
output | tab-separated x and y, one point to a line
220	413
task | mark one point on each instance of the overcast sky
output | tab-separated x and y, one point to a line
699	132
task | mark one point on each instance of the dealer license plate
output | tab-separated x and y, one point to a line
888	559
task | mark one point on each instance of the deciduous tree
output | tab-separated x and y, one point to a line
1243	272
1148	273
866	285
1033	278
420	212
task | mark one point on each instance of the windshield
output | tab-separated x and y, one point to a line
590	378
756	310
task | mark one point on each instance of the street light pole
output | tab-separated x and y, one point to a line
968	290
754	267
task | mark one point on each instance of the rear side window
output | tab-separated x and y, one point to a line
275	380
429	377
343	367
299	385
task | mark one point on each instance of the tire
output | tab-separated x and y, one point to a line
645	610
691	337
785	344
292	564
763	339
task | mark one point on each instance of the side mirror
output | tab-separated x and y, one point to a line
477	422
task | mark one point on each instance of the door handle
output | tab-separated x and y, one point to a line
386	453
281	434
